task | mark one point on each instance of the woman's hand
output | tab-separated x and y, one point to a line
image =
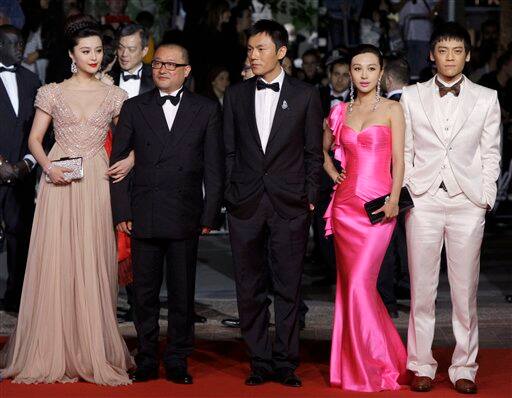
120	169
56	175
390	210
339	177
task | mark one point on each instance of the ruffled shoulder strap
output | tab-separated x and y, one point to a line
335	122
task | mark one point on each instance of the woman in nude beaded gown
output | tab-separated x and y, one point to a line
67	327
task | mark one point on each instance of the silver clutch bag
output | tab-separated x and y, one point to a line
75	164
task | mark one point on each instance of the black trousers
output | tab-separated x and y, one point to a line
17	213
286	240
394	270
179	257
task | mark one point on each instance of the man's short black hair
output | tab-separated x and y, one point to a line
337	61
130	29
274	29
450	30
398	68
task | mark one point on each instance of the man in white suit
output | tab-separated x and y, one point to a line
452	156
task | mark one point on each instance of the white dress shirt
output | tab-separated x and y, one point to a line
169	109
132	86
11	86
265	108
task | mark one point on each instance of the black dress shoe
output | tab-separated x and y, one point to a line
257	378
142	375
231	322
287	377
199	319
178	376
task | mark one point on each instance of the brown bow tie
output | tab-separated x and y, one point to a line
455	89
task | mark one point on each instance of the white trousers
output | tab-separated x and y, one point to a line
458	223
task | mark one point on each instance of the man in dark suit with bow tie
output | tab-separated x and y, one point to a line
176	136
130	73
273	148
18	87
339	82
394	272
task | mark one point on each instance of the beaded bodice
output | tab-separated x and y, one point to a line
75	136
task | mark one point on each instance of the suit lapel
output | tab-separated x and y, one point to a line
146	80
184	117
426	94
4	98
465	106
281	110
153	113
22	100
250	108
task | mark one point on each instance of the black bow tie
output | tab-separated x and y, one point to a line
261	85
127	76
175	99
11	69
337	97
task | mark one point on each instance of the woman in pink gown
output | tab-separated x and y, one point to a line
367	137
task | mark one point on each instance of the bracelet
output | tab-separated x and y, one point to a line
48	168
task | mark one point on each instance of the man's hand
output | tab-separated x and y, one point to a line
205	230
21	169
7	174
125	226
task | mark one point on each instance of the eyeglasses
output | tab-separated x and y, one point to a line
167	65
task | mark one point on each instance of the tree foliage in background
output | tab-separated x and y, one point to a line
303	13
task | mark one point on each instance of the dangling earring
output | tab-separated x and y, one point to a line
351	104
377	96
74	69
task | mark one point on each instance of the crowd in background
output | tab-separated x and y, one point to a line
215	33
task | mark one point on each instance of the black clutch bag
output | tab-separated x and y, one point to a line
404	203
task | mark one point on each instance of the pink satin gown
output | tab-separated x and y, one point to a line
367	353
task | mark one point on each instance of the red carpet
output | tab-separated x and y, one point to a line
220	367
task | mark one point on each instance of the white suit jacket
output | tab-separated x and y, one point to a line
472	151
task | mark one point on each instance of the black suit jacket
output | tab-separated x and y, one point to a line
14	130
146	79
396	97
289	170
325	97
163	195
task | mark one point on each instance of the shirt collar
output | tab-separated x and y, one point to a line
138	70
173	93
7	67
391	93
279	79
336	94
450	84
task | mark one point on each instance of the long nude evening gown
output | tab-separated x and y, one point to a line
67	327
